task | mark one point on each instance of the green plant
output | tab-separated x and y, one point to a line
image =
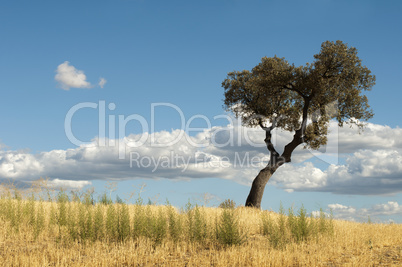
111	222
228	230
228	204
292	222
88	197
52	214
275	233
29	210
175	224
40	220
158	227
303	229
98	226
123	222
119	200
62	200
82	222
139	222
282	229
295	228
17	214
197	225
72	222
105	199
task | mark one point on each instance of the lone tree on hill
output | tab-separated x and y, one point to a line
295	98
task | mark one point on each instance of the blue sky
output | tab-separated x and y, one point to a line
179	52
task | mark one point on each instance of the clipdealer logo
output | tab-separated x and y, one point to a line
126	145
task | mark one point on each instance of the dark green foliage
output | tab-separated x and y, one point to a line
275	233
89	229
52	215
62	200
98	227
29	210
158	229
111	222
119	200
303	227
197	224
71	222
40	220
124	222
295	228
139	222
228	229
228	204
324	225
274	88
175	224
300	99
84	222
85	226
147	224
105	199
299	226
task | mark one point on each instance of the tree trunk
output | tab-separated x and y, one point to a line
257	189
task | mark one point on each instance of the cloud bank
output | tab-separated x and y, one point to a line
351	213
232	152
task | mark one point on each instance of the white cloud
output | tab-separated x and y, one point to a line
67	184
366	172
69	77
342	208
373	137
102	82
389	208
374	212
370	171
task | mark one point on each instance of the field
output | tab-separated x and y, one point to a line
73	230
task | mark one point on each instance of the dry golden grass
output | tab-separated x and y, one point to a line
352	244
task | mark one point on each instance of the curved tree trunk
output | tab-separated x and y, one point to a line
257	189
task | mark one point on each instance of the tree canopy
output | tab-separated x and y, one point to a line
280	92
300	99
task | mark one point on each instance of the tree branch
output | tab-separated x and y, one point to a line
299	134
290	87
274	155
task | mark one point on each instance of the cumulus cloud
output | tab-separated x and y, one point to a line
389	208
102	82
375	212
366	172
68	184
231	152
69	77
373	137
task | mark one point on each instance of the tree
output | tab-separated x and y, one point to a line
295	99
